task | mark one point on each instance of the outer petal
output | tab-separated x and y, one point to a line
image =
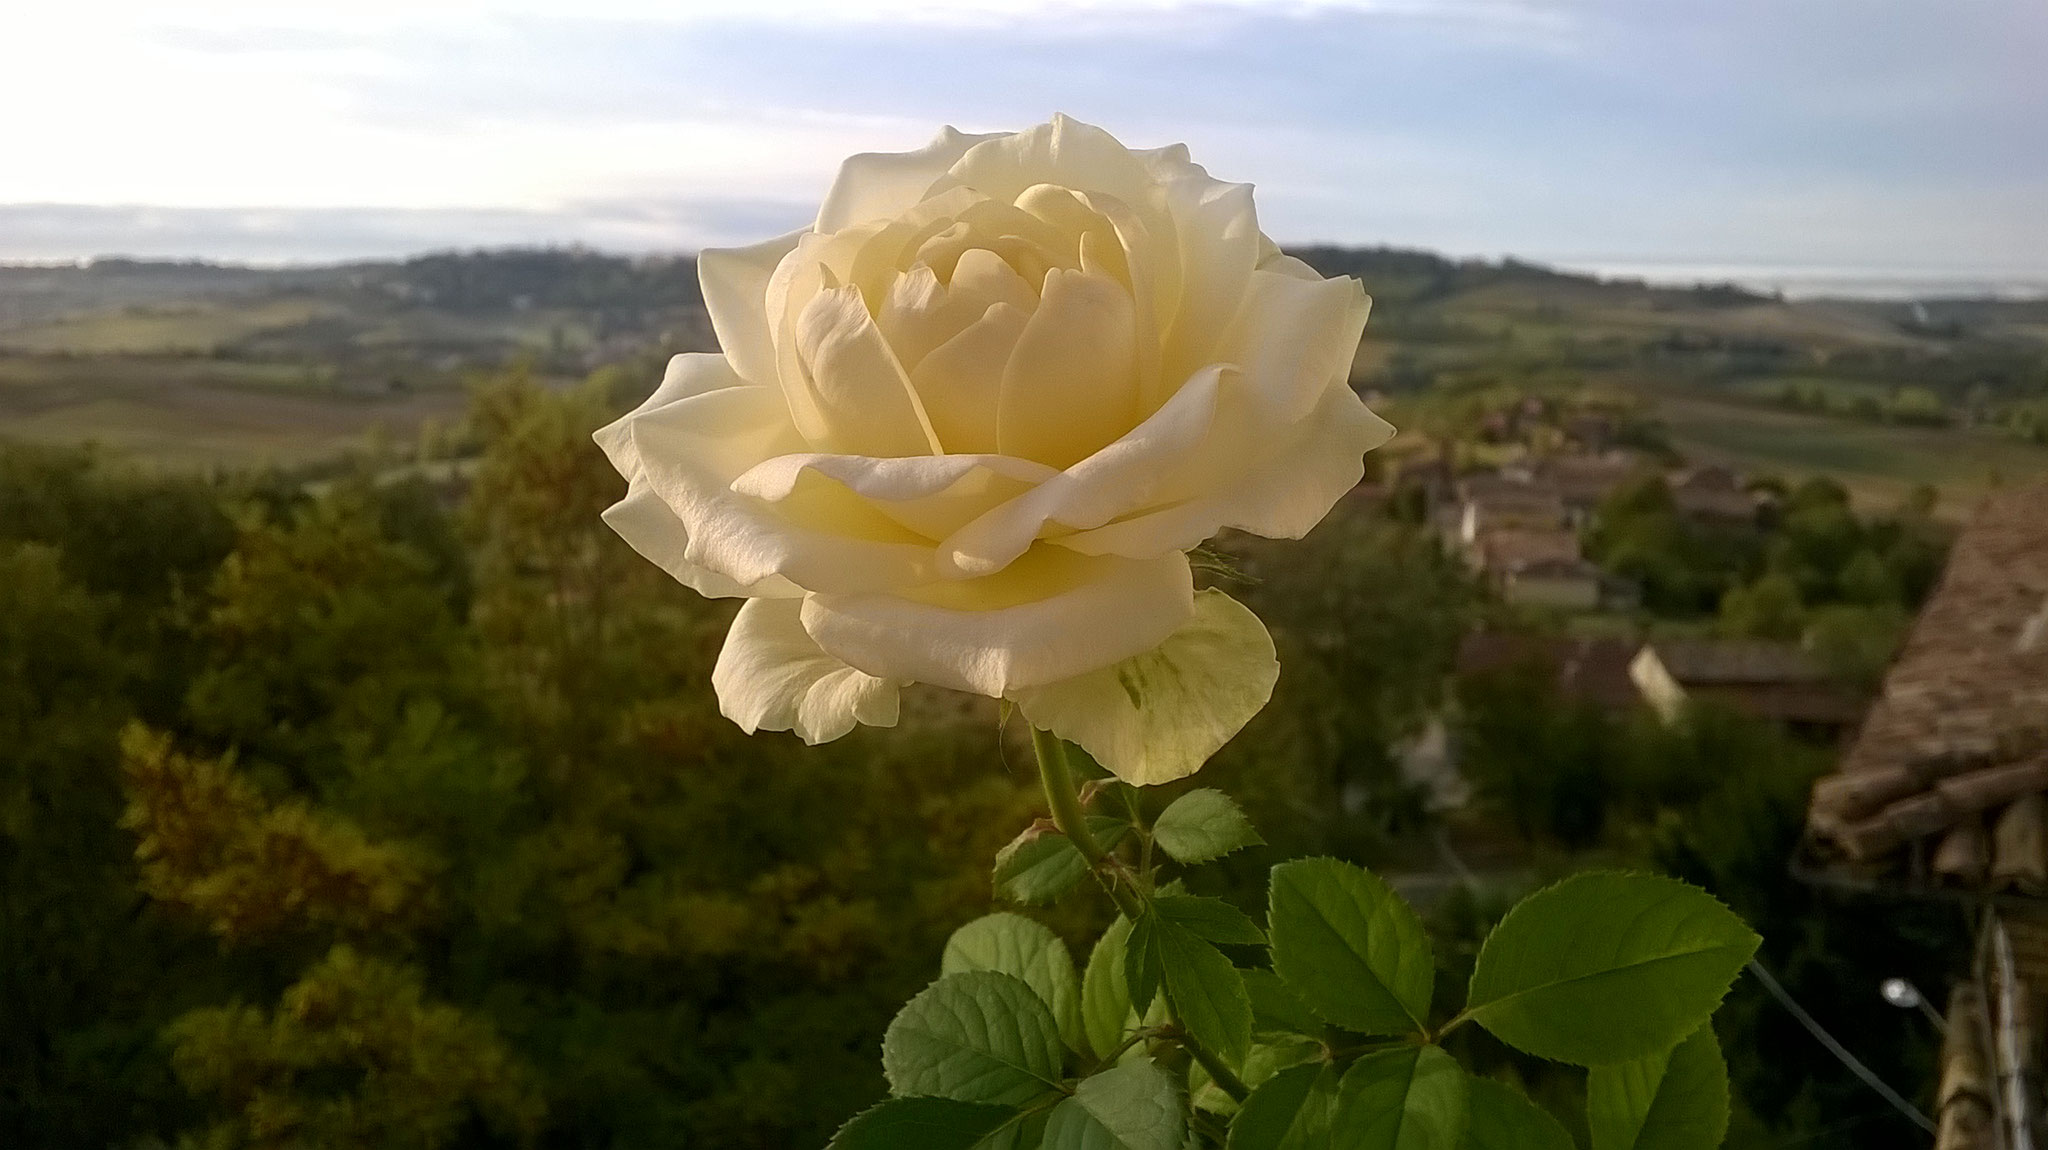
770	676
1064	151
646	523
1158	716
735	286
882	185
1283	491
1124	478
1267	443
931	495
692	450
1051	615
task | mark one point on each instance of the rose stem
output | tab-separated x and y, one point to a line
1058	779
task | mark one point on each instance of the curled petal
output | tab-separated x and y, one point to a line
770	676
642	519
651	528
690	452
1283	489
1218	240
1064	152
735	286
881	185
931	495
1070	386
1050	615
961	381
1157	717
852	380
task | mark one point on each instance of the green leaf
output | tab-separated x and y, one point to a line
1017	946
1291	1110
1606	967
1210	918
1141	961
1502	1119
1262	1060
921	1124
1041	864
1677	1101
1353	951
976	1037
1157	717
1411	1099
1206	991
1201	825
1106	1014
1277	1008
1132	1107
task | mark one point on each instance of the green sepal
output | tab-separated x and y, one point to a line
1041	865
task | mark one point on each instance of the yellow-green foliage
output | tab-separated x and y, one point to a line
209	843
417	1070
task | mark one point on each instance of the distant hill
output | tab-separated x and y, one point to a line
197	362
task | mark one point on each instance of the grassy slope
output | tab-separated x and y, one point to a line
204	366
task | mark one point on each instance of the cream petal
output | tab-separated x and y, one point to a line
692	450
961	380
652	529
883	185
735	286
1295	339
1049	616
854	381
688	374
1283	490
1218	242
1064	151
1070	387
920	313
1158	716
770	676
1123	477
646	523
932	495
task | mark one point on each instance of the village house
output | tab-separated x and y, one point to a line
1943	792
1779	682
1712	493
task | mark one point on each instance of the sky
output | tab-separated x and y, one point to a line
1674	138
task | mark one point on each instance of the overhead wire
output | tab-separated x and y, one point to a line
1835	1048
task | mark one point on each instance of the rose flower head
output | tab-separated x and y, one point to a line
966	427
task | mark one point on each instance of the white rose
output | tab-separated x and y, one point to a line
966	428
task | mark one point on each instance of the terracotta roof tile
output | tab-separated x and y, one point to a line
1958	741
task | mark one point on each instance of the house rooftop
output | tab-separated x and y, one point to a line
1945	782
1736	662
1594	670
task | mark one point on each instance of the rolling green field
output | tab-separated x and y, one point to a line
190	329
1879	464
193	365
